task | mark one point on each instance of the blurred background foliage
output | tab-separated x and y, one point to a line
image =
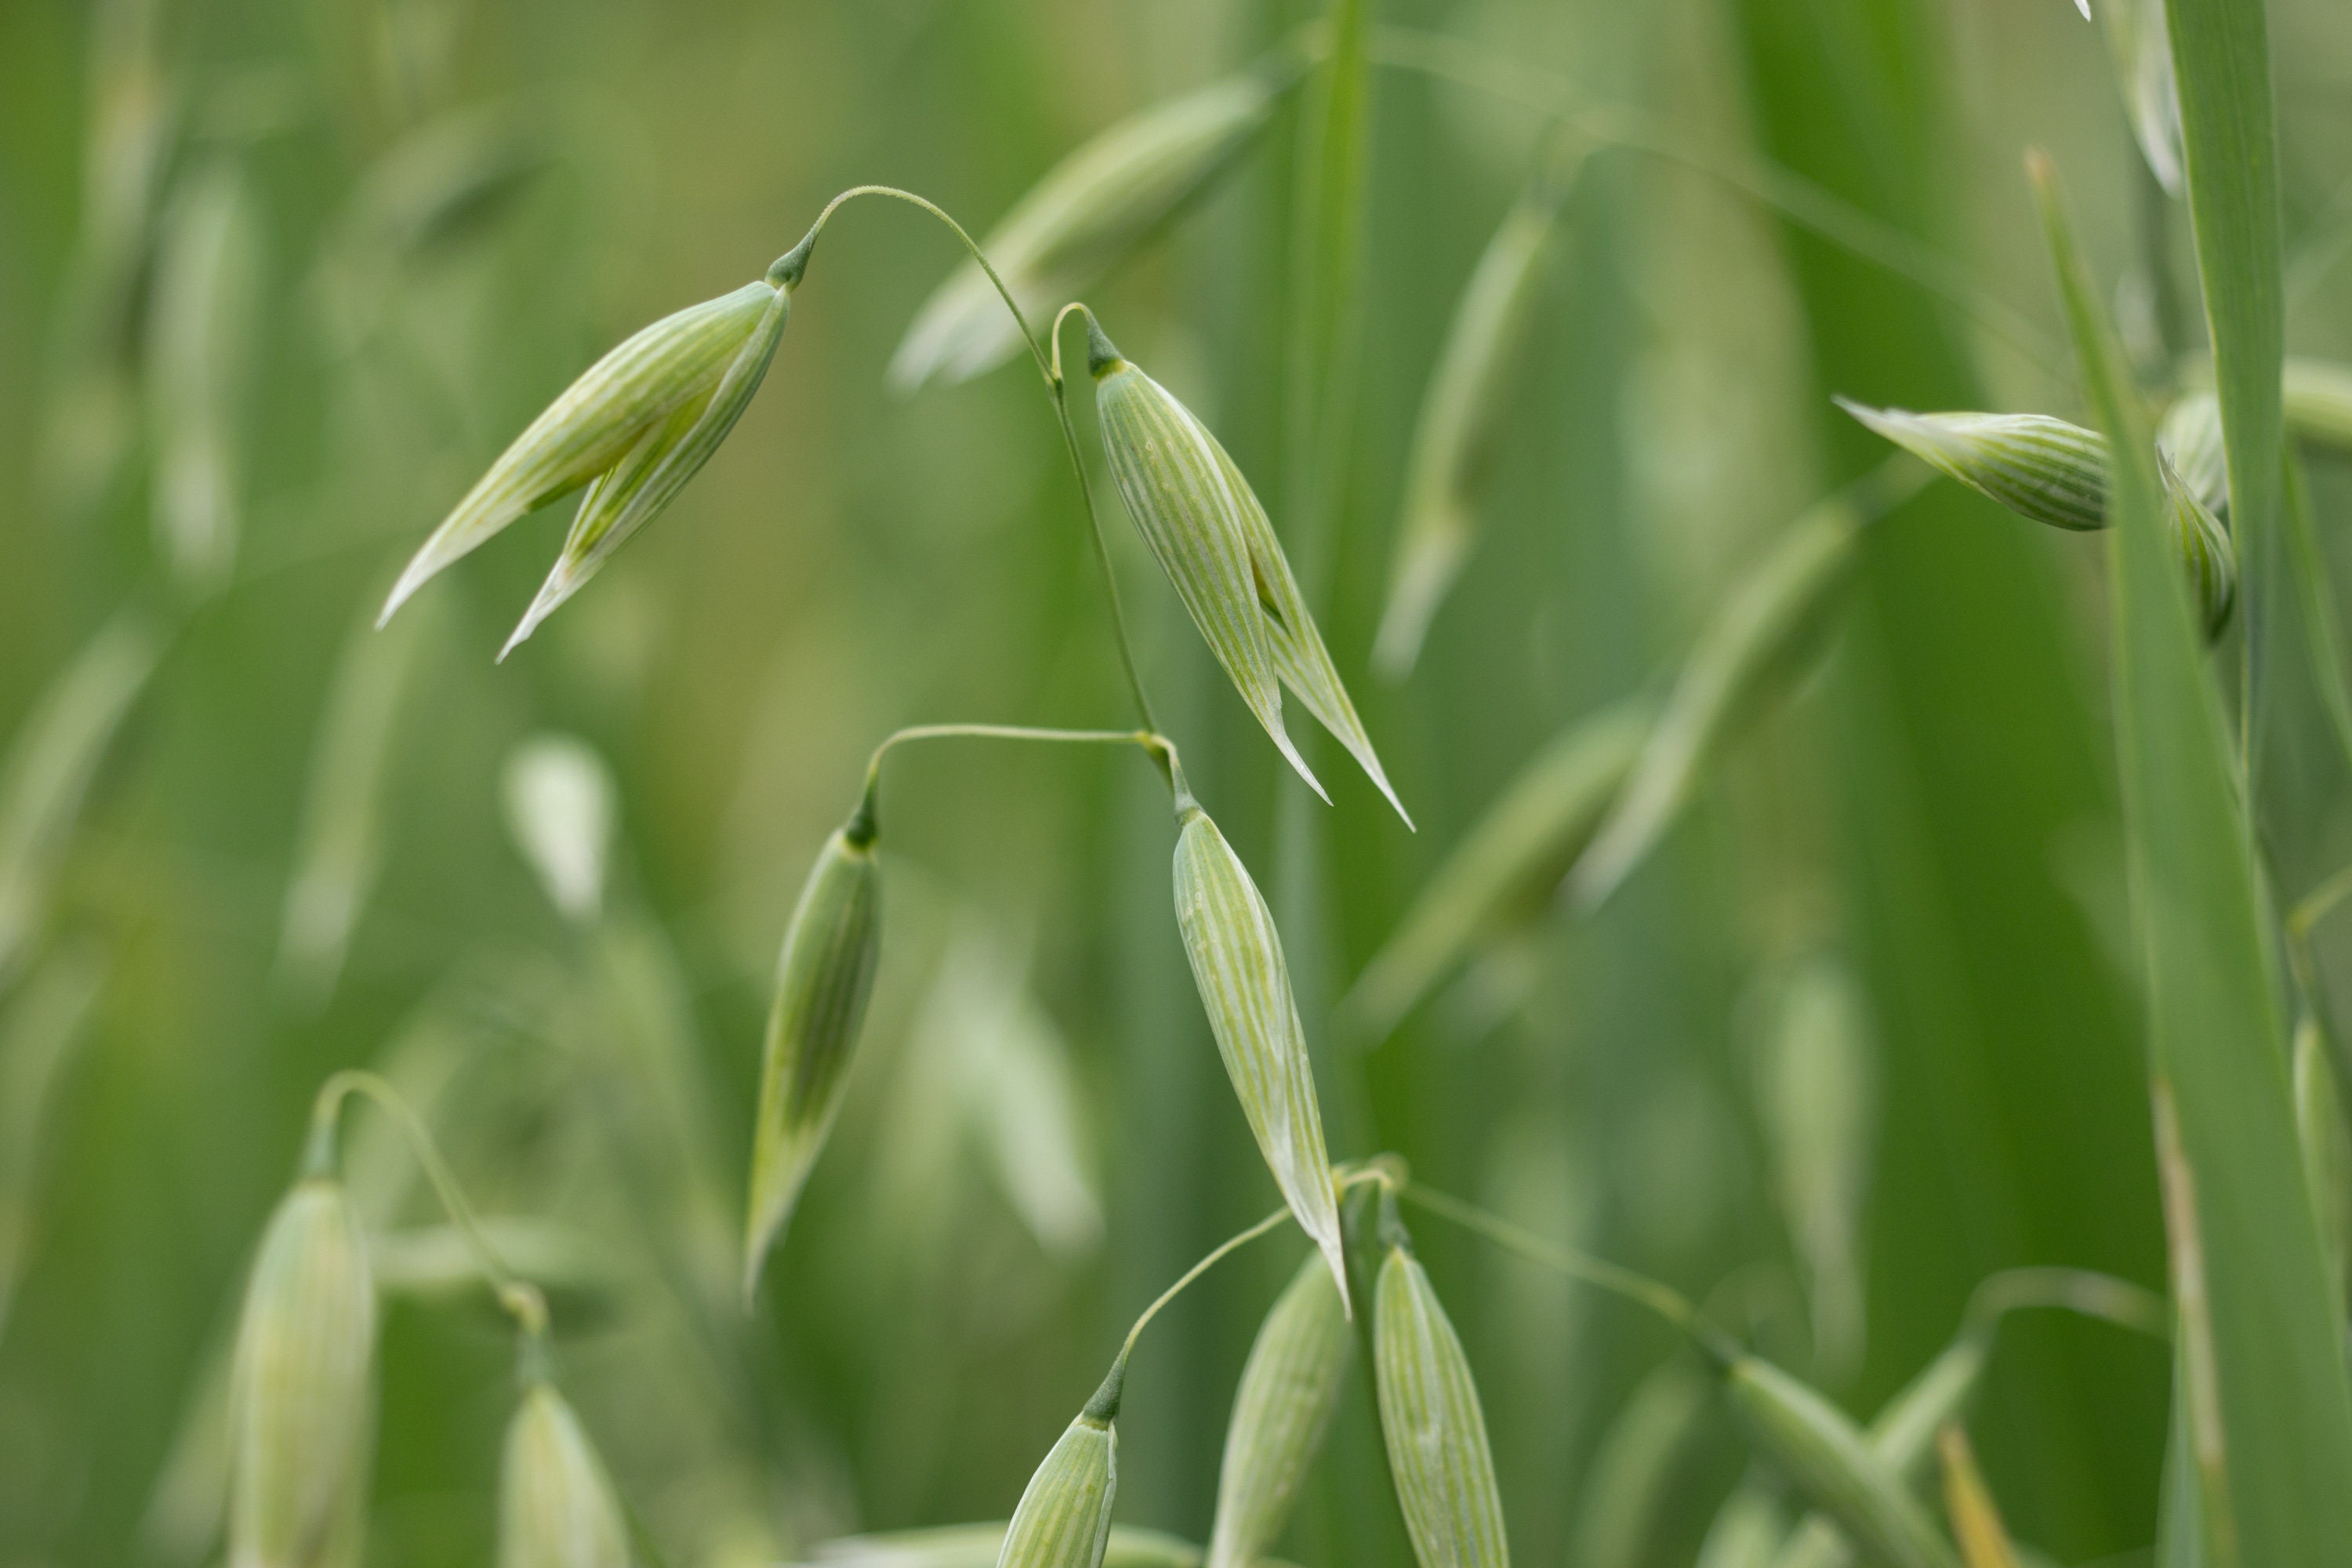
277	279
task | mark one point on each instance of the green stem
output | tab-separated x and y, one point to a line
2076	1290
520	1298
1103	1406
1157	747
788	269
1788	194
1664	1299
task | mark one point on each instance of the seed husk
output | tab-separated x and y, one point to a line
2317	396
2040	467
1967	1503
2190	438
1086	215
1432	1423
633	428
557	1508
2205	550
977	1546
1503	873
559	807
1289	1388
302	1390
1244	986
1446	467
2141	46
1064	1517
1831	1463
1206	529
1761	641
823	977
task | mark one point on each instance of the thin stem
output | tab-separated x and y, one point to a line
1103	1406
1664	1299
1157	747
1791	194
520	1298
2077	1290
789	266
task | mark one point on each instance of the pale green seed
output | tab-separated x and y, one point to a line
1081	217
1244	986
2205	550
557	796
1290	1387
1447	466
1503	873
1630	1484
1756	647
303	1386
977	1546
823	976
2141	48
1064	1517
45	1019
207	295
2040	467
49	766
1205	527
2318	402
2190	438
627	412
339	849
1967	1503
1831	1462
1432	1425
1815	1082
557	1508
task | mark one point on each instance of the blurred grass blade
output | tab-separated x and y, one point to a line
1759	644
977	1545
1503	873
2327	1151
1748	1531
207	299
2315	396
1084	216
48	769
2218	1051
43	1021
1816	1087
1452	441
558	796
1290	1389
340	850
436	1264
1967	1503
2142	52
1244	986
1629	1487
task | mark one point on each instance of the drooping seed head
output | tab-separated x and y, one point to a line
1830	1463
1064	1517
635	427
1432	1423
1213	539
557	1508
303	1392
2190	439
1087	212
1289	1388
2040	467
823	977
1446	469
1504	871
1244	986
2205	550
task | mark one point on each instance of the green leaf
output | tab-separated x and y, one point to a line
2218	1051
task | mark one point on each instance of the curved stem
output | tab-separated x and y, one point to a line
1157	747
1664	1299
2077	1290
519	1297
1103	1406
788	268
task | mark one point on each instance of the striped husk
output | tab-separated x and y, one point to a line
1064	1517
1289	1388
2039	468
1244	986
1432	1423
557	1508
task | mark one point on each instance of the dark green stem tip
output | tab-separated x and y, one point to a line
1101	353
1103	1408
785	271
